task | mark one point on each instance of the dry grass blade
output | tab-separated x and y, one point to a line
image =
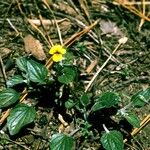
121	41
131	7
91	66
76	36
143	11
84	6
144	123
4	116
3	69
45	22
36	28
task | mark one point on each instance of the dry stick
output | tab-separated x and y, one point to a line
4	116
143	12
45	22
131	3
17	143
100	69
40	17
58	29
79	34
13	26
83	5
134	10
3	69
144	122
49	39
91	66
48	65
35	27
94	37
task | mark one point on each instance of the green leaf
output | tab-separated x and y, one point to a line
37	72
61	142
17	79
68	76
69	57
133	120
84	100
20	116
141	98
8	97
106	100
113	140
22	63
4	138
69	103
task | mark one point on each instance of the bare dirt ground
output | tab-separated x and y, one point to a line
126	73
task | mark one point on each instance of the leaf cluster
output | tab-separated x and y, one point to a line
35	73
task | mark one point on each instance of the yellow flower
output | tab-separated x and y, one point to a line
57	51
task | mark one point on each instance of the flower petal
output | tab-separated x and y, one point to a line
57	49
53	50
57	57
61	50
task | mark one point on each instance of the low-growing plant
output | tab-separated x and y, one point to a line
32	75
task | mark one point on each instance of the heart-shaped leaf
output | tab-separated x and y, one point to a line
141	98
84	100
8	97
20	116
69	104
106	100
37	72
17	79
113	140
22	63
61	142
133	120
68	75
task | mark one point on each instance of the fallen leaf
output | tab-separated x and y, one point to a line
109	27
34	47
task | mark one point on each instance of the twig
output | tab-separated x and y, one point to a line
4	116
45	22
133	10
15	143
35	27
79	34
3	69
74	132
13	26
101	68
131	3
90	33
61	119
58	29
143	12
91	66
144	123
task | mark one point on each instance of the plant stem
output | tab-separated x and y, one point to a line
105	128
